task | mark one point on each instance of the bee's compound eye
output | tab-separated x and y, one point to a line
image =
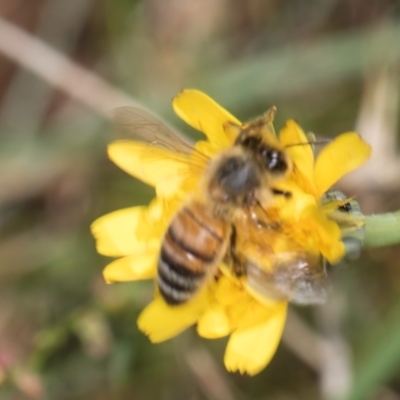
274	160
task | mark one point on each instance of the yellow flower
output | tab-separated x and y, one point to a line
310	180
224	307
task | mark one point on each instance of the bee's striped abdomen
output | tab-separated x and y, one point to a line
192	247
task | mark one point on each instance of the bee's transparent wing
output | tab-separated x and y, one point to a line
299	279
131	123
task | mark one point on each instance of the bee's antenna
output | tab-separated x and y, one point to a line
310	143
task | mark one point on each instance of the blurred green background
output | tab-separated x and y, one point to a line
332	65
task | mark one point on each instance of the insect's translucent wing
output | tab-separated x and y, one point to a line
299	279
132	123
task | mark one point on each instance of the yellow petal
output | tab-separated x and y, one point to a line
329	244
346	153
260	297
292	136
227	292
308	225
119	233
302	155
236	312
292	208
250	349
214	323
165	170
319	234
132	268
161	322
208	148
155	218
257	313
204	114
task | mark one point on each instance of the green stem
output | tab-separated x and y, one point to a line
382	229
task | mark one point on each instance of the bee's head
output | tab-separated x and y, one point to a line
259	139
264	149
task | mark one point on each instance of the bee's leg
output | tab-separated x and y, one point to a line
236	264
283	193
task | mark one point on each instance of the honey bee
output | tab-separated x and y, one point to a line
225	218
